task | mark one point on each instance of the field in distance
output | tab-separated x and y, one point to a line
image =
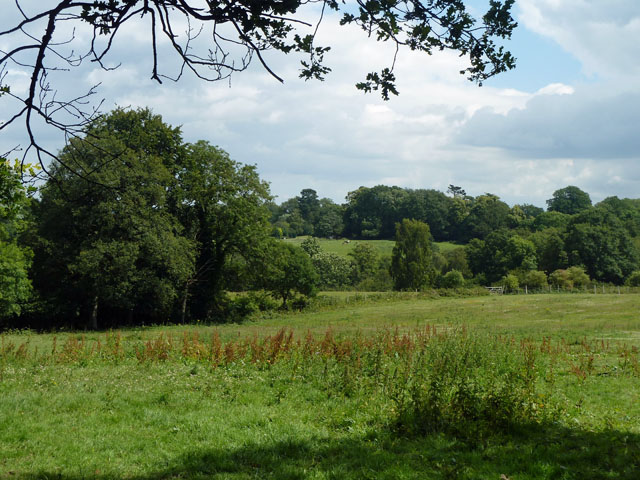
342	246
380	386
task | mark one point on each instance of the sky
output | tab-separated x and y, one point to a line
569	114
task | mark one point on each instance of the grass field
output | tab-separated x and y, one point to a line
529	387
342	247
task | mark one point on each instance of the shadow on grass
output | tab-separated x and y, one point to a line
549	452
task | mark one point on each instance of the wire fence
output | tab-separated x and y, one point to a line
594	288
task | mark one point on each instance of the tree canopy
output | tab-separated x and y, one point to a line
110	246
213	40
221	205
569	200
15	259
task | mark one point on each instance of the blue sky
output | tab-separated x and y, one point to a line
568	114
540	61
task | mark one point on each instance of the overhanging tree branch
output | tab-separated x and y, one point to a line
237	31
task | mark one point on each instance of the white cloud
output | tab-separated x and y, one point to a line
556	89
586	124
602	35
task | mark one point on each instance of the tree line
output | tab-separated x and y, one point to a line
135	226
497	242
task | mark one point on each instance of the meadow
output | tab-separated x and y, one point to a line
382	386
342	247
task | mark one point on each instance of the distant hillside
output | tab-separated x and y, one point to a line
342	247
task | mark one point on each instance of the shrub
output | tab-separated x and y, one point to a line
569	278
578	276
241	307
510	282
311	246
379	280
634	279
263	300
452	279
560	278
333	270
535	280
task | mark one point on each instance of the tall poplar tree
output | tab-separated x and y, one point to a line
412	257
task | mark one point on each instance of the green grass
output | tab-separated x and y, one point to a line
71	408
570	316
446	246
342	247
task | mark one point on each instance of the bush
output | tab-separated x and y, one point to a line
240	308
452	279
510	282
634	279
311	246
263	300
578	277
569	278
535	280
334	271
560	278
379	280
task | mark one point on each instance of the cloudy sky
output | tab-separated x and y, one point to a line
568	115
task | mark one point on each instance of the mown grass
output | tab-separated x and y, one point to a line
535	387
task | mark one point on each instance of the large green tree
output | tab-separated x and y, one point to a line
412	257
626	210
431	207
329	222
569	200
110	249
222	206
552	219
284	270
550	249
487	214
598	240
373	212
499	253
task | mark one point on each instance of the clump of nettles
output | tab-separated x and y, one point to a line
471	387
